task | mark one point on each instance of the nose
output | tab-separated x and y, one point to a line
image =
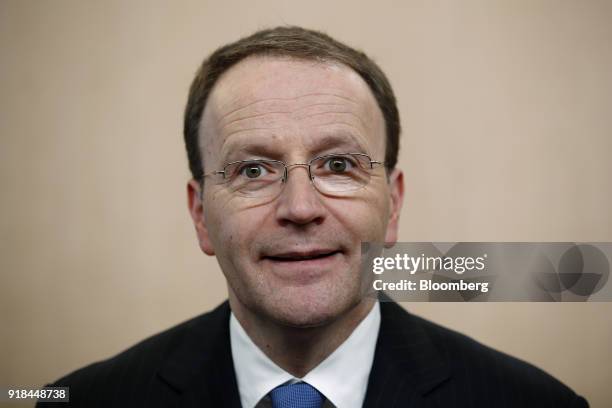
299	202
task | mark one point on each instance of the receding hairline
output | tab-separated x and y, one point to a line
313	61
364	88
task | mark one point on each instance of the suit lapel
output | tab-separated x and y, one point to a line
200	370
407	365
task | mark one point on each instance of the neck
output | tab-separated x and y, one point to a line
298	350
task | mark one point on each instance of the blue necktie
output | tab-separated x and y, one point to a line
298	395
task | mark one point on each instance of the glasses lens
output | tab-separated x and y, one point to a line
340	173
254	178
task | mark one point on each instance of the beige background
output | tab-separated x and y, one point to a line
506	109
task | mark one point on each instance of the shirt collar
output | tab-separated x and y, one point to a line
342	377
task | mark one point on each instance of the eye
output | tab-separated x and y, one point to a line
253	170
338	164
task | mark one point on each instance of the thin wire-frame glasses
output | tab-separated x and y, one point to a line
332	174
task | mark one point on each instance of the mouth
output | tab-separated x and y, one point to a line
302	256
306	266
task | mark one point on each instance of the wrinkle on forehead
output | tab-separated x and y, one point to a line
255	107
316	108
315	115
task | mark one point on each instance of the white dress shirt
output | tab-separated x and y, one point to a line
342	377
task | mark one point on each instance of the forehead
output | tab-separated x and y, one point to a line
261	77
265	93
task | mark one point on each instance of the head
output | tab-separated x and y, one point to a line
291	95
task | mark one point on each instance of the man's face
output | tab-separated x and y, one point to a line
293	258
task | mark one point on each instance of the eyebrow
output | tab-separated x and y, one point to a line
336	139
260	146
251	150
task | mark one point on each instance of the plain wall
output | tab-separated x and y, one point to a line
507	135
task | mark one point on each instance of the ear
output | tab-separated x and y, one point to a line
196	210
396	187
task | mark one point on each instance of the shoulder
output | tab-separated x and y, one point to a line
134	371
481	373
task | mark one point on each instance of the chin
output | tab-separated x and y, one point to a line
302	311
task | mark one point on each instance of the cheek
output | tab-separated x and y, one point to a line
233	228
365	218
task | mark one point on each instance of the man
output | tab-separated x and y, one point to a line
292	141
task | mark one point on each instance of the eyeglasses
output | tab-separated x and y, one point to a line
332	174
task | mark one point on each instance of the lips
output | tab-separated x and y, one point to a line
297	256
303	267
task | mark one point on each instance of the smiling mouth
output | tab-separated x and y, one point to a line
297	257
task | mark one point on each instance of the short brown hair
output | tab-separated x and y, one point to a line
293	42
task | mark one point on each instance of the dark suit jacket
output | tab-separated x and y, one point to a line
416	364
